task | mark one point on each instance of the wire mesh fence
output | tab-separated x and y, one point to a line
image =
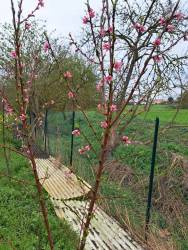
54	136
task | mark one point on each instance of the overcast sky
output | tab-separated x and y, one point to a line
63	15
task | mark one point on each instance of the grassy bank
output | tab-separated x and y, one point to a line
21	224
167	113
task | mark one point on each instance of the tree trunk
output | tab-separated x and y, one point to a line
113	143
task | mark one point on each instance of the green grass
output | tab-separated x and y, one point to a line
21	223
166	114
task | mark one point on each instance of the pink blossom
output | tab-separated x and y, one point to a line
85	20
142	29
170	28
87	148
102	32
46	46
139	27
113	108
13	54
106	46
41	3
179	16
76	132
126	140
162	21
71	95
52	102
136	26
110	30
27	26
157	58
117	66
104	124
84	149
108	78
22	117
91	13
68	74
157	42
81	151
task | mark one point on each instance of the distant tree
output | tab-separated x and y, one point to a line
183	99
170	99
49	89
53	86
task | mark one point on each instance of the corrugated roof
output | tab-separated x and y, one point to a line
105	232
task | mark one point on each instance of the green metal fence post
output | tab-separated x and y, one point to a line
72	137
45	130
149	201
